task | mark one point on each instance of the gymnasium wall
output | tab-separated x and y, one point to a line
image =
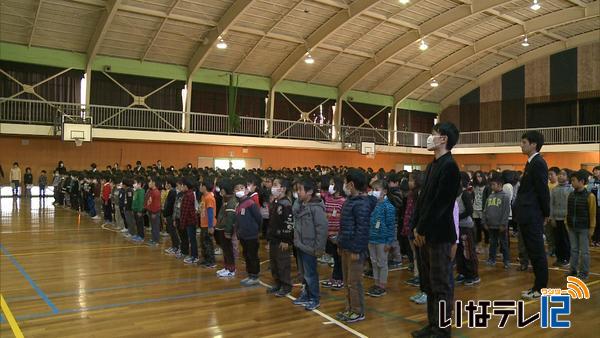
558	90
44	153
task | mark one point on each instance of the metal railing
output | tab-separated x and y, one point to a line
50	113
510	137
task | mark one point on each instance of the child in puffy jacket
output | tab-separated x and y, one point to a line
381	235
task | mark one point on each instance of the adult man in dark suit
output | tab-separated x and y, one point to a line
435	231
532	209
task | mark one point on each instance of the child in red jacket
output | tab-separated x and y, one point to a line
106	202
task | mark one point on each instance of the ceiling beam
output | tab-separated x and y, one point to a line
102	27
553	48
160	28
457	13
37	15
318	36
536	24
227	20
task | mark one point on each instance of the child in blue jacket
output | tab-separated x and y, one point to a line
381	235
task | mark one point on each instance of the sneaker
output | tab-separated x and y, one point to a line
337	285
523	267
273	289
557	263
218	251
583	276
282	293
472	281
532	295
415	297
171	251
327	283
301	300
506	266
459	279
378	292
368	274
124	230
422	299
312	305
371	290
95	218
394	265
415	281
354	317
152	243
342	315
219	271
251	282
208	265
179	255
565	264
226	274
164	234
127	235
490	262
191	260
245	280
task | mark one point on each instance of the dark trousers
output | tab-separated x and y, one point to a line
107	211
281	265
466	255
189	244
227	246
561	240
172	230
437	282
139	223
265	227
250	250
206	246
42	191
310	274
91	204
184	241
596	235
534	245
500	237
406	249
15	187
332	249
74	199
481	232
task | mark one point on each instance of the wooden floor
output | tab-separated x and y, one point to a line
63	275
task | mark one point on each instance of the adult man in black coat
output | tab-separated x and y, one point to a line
435	231
532	209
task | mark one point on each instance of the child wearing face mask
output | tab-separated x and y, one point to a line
381	236
281	237
247	223
334	201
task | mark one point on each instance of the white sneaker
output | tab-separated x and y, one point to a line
218	251
191	260
124	230
532	295
220	271
164	234
96	217
226	274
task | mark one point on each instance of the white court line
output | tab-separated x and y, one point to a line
549	267
103	226
329	319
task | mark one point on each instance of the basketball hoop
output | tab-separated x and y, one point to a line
371	156
78	141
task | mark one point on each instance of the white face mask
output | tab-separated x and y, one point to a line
275	191
376	194
217	189
296	195
430	143
240	194
332	189
318	194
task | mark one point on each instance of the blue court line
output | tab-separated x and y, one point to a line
135	302
110	288
29	279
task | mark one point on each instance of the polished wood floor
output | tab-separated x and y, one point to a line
62	275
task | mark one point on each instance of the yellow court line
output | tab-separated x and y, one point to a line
11	319
76	250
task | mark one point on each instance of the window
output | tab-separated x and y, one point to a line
411	167
226	163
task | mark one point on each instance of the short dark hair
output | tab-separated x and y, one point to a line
395	178
309	185
208	183
449	130
596	168
188	183
43	171
464	179
534	136
556	170
358	178
496	179
581	175
171	181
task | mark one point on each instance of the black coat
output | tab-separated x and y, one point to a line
434	214
532	204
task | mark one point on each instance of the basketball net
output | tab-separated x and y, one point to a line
78	142
371	156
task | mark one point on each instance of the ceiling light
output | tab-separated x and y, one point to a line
525	43
221	44
434	83
535	6
309	59
423	46
404	2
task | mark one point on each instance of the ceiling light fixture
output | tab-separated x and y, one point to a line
434	83
309	59
404	2
423	46
221	44
535	6
525	43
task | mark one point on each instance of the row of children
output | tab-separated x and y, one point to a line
27	179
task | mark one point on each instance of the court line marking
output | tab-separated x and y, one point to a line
330	319
11	319
78	250
135	302
29	279
549	267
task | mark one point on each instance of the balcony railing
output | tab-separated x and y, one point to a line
50	113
